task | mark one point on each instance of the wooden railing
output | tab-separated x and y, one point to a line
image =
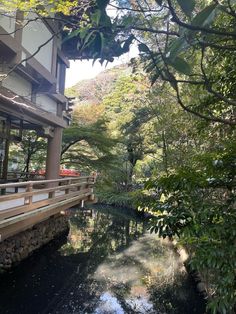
38	200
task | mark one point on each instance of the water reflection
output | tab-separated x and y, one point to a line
127	269
109	264
96	230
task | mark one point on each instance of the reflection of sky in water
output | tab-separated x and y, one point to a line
108	266
129	273
125	270
141	305
108	304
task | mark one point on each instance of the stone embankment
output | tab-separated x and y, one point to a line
201	284
17	248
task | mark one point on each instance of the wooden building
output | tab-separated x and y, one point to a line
32	82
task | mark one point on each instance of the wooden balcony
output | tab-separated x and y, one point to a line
36	201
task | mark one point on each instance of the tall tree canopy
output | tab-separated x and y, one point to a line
188	44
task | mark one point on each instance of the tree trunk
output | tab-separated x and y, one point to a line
164	152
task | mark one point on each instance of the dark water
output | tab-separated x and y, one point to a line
107	264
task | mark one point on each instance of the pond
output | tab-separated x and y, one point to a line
109	263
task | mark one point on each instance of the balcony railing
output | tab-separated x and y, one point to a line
36	201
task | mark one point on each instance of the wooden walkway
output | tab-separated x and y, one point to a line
36	201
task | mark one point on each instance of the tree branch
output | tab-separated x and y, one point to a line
208	84
197	28
148	29
200	115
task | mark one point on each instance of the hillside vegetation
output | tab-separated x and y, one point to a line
152	155
93	90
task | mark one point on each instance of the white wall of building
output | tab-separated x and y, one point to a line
8	23
18	85
34	35
21	87
46	103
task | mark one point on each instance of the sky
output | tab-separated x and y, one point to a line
82	70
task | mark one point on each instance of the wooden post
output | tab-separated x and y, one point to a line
54	155
29	199
7	145
87	185
51	194
67	191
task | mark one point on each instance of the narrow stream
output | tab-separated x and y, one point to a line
108	263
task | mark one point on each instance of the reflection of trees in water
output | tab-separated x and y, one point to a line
99	233
114	236
130	270
149	268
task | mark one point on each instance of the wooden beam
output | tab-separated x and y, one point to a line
14	196
38	216
8	213
7	145
29	109
9	41
22	184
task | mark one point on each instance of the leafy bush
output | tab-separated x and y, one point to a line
198	205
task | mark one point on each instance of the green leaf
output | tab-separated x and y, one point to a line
176	46
102	4
71	35
180	65
88	40
102	39
105	20
83	32
143	48
205	17
96	16
187	6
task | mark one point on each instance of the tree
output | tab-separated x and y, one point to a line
30	151
87	147
195	199
126	113
41	7
180	43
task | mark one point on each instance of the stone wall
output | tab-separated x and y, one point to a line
17	248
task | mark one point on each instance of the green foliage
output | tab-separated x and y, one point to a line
39	6
30	152
188	163
179	45
206	16
187	6
87	147
197	204
123	199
